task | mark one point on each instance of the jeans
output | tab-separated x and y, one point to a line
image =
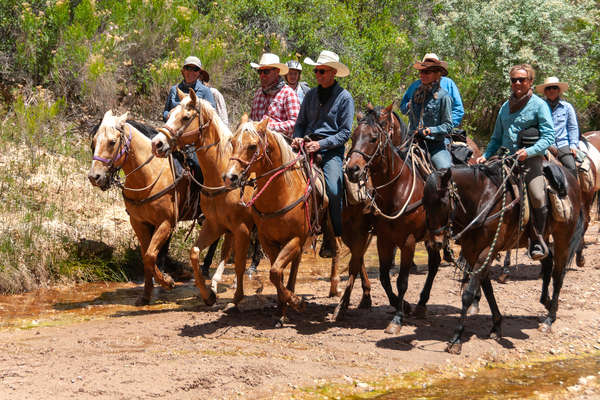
334	186
566	158
440	156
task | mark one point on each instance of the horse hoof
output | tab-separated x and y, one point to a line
545	328
335	293
420	311
212	299
473	310
406	308
231	308
503	278
454	348
393	328
495	335
365	302
580	261
142	301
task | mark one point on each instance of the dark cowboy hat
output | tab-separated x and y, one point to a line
432	61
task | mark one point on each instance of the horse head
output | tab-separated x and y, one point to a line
369	140
110	145
250	148
437	203
184	126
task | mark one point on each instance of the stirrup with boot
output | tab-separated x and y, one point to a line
537	246
326	250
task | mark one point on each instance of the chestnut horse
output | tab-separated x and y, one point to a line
195	122
152	200
453	197
282	206
400	220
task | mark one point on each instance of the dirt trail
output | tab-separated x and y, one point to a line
90	342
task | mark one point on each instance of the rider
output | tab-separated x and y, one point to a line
430	112
524	126
293	79
445	83
325	120
221	107
565	121
274	99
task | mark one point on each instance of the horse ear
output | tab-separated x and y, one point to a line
108	114
447	175
121	120
359	115
370	106
261	127
389	108
194	98
180	94
244	119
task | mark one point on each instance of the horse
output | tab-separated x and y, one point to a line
452	197
195	122
154	200
400	216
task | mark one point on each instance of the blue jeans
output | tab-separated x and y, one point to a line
334	185
440	156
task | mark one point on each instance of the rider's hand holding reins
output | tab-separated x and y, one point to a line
312	146
521	155
480	160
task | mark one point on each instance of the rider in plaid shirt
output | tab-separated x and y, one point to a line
274	99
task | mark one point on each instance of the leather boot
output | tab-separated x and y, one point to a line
326	250
537	246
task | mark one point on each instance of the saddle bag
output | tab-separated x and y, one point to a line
560	204
586	176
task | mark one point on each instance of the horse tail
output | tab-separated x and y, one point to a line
577	237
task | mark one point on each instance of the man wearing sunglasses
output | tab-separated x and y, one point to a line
274	99
324	124
524	126
193	76
445	83
565	121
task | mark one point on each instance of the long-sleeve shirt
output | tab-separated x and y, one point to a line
282	109
173	99
437	114
566	128
536	114
333	120
221	106
449	86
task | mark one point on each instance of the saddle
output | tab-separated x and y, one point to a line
589	157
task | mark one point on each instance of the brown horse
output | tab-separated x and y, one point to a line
154	203
195	122
281	204
454	197
400	220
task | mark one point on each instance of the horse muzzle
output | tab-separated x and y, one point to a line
160	146
354	172
99	179
230	178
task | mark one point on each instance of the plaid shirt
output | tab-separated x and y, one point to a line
282	109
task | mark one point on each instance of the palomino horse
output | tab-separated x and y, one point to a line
281	205
153	200
400	217
453	197
195	122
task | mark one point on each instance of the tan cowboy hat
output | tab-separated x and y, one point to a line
330	59
270	60
552	81
195	61
431	60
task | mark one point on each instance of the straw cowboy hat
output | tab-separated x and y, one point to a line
432	61
552	81
195	61
270	60
293	64
330	59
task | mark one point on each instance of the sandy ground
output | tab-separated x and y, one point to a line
97	345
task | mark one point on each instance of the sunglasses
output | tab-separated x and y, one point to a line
319	71
552	88
520	80
426	72
188	68
265	71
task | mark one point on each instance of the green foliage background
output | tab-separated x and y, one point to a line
126	53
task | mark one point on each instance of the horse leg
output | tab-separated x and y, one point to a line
208	258
207	236
486	285
455	344
334	291
241	241
385	251
144	234
433	264
407	253
505	269
286	298
256	255
558	275
158	238
547	264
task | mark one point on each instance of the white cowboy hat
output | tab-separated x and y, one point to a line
195	61
552	81
431	60
293	64
270	60
330	59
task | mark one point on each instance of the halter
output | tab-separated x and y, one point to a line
124	151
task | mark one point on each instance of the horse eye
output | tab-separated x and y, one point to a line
252	147
112	142
185	117
373	139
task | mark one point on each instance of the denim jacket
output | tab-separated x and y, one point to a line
565	125
449	86
437	114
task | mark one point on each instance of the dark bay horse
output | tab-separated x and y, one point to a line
195	122
400	220
454	197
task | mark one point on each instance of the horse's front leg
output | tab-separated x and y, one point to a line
289	252
558	274
486	285
241	241
433	264
407	253
207	236
385	251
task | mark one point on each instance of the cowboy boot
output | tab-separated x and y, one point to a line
537	246
326	250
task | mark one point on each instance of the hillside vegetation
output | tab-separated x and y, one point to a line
63	63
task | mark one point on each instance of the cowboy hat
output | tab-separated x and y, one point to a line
432	61
293	64
270	60
330	59
195	61
552	81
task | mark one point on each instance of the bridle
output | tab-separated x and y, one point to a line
121	151
381	145
174	137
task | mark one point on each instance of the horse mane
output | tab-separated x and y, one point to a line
208	113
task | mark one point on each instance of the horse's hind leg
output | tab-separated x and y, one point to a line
547	264
208	258
207	236
433	264
241	241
